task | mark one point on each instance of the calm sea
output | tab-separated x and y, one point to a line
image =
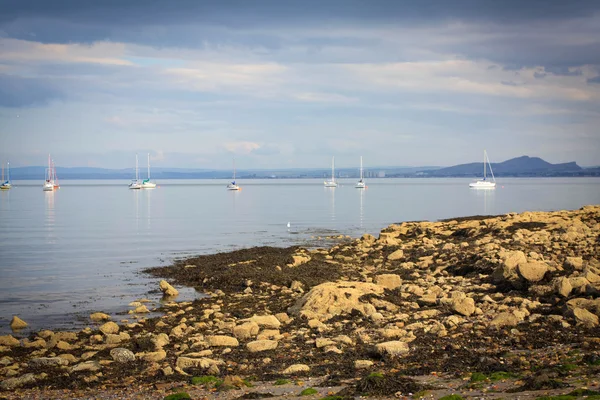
67	253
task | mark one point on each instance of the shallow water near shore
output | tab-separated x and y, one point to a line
67	253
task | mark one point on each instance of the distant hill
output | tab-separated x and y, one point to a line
520	166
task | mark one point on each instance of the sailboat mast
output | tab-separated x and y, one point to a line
234	169
361	169
333	169
136	168
7	172
2	172
484	156
148	166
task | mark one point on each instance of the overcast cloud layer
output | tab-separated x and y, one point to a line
290	84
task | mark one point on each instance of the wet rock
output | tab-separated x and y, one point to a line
141	310
167	289
334	298
296	369
392	348
17	382
261	345
47	362
222	341
109	328
17	323
122	355
299	259
98	316
389	281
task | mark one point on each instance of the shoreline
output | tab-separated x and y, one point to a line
473	305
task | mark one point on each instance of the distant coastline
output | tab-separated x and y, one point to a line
524	166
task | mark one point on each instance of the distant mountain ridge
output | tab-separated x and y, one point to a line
523	166
519	166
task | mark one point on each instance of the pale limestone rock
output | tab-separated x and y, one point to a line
261	345
167	289
299	259
116	339
268	334
154	356
363	364
283	318
590	276
584	317
141	310
296	369
203	363
533	271
109	328
246	330
392	348
98	316
505	319
8	340
334	298
265	321
388	281
17	323
69	357
323	342
464	306
563	286
91	366
574	262
396	255
222	341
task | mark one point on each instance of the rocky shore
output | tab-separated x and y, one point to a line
479	307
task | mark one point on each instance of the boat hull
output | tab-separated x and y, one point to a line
482	185
330	184
148	185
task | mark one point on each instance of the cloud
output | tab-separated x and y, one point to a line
16	91
324	98
594	80
241	147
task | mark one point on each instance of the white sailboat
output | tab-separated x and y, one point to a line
361	183
135	183
332	182
233	185
51	182
146	184
484	183
6	184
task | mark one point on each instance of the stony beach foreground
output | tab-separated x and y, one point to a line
481	307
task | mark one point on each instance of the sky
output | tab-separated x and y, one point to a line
289	84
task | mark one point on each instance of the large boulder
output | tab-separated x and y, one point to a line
109	328
389	281
17	323
246	330
167	289
463	306
584	317
328	299
533	271
265	321
396	255
122	355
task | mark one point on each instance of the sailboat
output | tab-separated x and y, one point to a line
135	183
51	182
233	185
361	183
332	182
484	183
146	184
6	184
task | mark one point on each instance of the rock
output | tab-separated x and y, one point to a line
505	319
98	316
296	369
222	341
265	321
246	330
334	298
17	323
283	317
141	310
514	258
167	289
261	345
590	276
47	362
363	364
188	362
533	271
17	382
323	342
91	366
389	281
396	255
574	262
584	317
299	259
297	286
109	328
154	356
392	348
563	286
122	355
464	306
9	340
507	271
116	339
